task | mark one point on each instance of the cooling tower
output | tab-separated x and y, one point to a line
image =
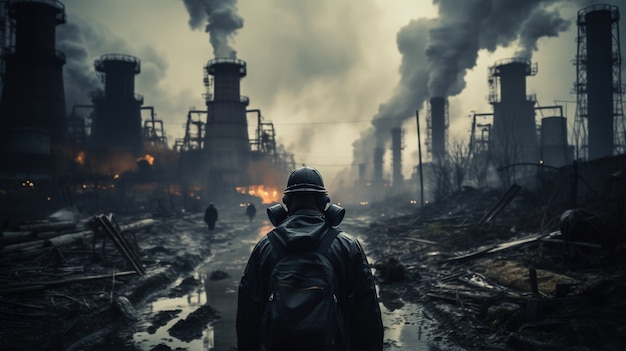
117	112
226	139
32	107
514	135
396	153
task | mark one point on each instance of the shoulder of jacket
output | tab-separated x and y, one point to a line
345	235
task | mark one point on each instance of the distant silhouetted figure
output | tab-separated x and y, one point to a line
210	216
251	211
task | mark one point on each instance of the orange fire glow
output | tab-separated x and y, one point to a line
149	158
80	158
267	194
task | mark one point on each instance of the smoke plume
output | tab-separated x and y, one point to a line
436	54
83	41
223	22
466	27
79	77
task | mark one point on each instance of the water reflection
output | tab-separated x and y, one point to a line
401	330
146	341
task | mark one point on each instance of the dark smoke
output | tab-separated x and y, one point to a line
79	77
539	24
412	39
223	22
83	41
437	53
465	27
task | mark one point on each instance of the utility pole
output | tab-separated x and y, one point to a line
419	151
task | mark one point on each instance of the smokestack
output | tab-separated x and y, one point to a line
117	121
437	52
362	173
514	136
379	152
226	140
438	127
598	77
396	152
32	107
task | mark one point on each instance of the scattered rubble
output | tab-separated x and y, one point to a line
495	271
77	281
514	282
191	328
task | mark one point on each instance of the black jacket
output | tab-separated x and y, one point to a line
357	293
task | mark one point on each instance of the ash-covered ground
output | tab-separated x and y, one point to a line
448	279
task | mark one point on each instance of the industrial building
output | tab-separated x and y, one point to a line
114	157
32	106
600	123
45	142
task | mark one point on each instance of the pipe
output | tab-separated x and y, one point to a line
258	126
151	108
473	135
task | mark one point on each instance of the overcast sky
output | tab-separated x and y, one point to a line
333	76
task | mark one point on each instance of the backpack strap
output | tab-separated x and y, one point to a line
279	250
327	240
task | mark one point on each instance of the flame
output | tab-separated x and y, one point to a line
267	194
149	158
80	158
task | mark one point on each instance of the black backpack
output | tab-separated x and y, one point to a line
302	311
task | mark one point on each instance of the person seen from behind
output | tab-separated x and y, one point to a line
273	313
210	216
250	211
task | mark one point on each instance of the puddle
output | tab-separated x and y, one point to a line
183	306
406	328
229	256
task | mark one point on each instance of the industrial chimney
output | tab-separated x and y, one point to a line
117	120
514	134
598	86
362	168
379	153
396	153
32	107
226	143
554	148
437	125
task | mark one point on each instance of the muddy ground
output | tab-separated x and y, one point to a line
446	282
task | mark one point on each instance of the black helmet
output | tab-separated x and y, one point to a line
306	179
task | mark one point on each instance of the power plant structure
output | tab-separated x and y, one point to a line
217	153
116	118
32	106
555	150
226	144
218	156
600	125
108	156
396	154
437	122
513	136
379	157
